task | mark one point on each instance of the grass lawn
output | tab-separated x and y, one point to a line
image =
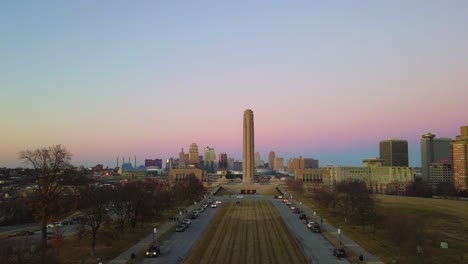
445	220
251	232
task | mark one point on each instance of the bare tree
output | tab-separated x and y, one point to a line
48	165
97	212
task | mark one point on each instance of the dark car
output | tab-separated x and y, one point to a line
297	210
339	252
315	228
153	251
67	223
302	216
180	228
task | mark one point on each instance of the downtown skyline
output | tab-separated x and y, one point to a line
325	80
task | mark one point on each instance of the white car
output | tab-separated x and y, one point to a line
310	224
292	207
187	221
240	196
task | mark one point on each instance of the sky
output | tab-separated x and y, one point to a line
325	79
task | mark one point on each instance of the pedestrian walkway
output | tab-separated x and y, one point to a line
143	244
348	243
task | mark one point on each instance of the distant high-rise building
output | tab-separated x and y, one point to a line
193	155
182	159
153	163
271	159
311	163
440	172
460	160
248	148
258	160
209	160
433	150
301	163
237	165
279	164
394	152
223	161
169	163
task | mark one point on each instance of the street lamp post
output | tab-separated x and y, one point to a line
154	232
300	203
339	232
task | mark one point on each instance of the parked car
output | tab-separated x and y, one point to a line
187	221
297	210
153	251
67	222
292	207
180	228
288	203
240	196
22	233
339	252
302	216
310	224
214	205
316	228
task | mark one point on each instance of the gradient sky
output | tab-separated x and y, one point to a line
325	79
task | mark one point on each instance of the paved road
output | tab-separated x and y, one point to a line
177	247
316	248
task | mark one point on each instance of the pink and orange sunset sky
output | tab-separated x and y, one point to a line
325	79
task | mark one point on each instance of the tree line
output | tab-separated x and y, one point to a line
59	189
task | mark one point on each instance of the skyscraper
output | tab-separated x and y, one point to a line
394	152
460	160
433	150
209	160
271	159
193	155
182	159
248	163
258	160
223	161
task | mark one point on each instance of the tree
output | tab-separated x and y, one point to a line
96	213
48	166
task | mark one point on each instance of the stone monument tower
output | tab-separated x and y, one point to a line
248	148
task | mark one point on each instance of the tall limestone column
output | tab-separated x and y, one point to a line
248	149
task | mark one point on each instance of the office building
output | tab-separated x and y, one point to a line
433	150
209	160
394	152
182	159
279	164
223	162
440	173
153	163
248	163
301	163
271	159
460	160
193	155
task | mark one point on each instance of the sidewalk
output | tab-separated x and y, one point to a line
143	244
348	243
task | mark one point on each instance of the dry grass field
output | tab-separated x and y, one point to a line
445	220
249	232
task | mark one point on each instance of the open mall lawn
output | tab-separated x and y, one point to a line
248	232
446	221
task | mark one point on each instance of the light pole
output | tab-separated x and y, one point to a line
300	203
154	232
339	232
